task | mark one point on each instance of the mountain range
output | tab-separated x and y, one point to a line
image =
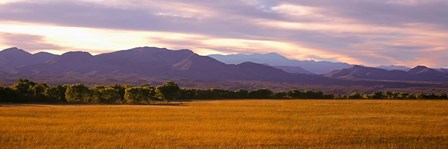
394	67
419	73
14	57
281	62
138	65
148	61
339	70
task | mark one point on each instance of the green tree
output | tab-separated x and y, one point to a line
313	94
377	95
38	92
339	96
442	96
103	94
7	94
242	94
411	96
188	94
261	94
354	95
112	95
56	93
97	94
121	90
420	96
23	88
78	93
280	95
296	94
402	96
137	95
168	91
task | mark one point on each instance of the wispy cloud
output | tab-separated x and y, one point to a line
33	43
369	32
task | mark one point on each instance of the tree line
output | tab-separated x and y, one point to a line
26	91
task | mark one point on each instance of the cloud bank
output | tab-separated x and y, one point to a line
368	32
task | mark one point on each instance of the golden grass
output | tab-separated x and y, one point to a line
229	124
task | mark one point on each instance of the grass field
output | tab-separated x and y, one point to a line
229	124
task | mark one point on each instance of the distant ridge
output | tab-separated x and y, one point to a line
394	67
44	56
147	61
279	61
14	57
419	73
444	70
294	69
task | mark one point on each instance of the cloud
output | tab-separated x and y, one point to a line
150	18
368	32
31	43
388	12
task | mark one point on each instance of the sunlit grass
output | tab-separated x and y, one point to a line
233	123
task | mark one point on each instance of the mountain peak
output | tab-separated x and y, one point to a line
77	53
420	69
250	64
275	59
72	57
14	50
274	54
186	50
147	48
394	67
360	67
44	56
43	53
14	57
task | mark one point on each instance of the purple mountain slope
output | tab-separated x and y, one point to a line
294	69
14	57
444	70
43	57
155	62
394	67
279	61
419	73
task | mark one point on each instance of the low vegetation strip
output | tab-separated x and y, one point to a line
229	124
26	91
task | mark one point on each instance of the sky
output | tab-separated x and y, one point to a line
366	32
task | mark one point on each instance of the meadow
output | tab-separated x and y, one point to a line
230	124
